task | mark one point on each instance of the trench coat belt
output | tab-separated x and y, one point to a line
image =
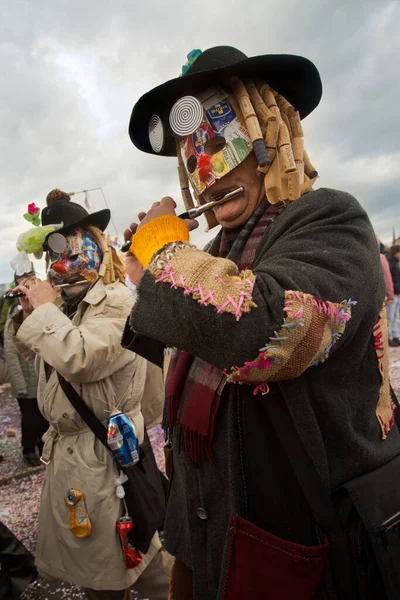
52	436
49	438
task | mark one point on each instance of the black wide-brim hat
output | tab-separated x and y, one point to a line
294	77
60	209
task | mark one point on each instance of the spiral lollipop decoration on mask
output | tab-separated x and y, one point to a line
186	115
156	133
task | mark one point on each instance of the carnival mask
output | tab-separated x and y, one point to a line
73	256
212	139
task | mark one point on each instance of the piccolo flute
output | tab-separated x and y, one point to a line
9	295
193	213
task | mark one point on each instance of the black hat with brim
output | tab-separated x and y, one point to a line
294	77
60	209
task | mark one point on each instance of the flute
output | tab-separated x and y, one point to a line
9	295
193	213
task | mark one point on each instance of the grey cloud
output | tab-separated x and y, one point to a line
70	72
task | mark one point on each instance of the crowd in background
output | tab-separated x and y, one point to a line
390	259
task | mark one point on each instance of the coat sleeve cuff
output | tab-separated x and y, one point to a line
155	235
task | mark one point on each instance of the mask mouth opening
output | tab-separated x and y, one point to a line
221	195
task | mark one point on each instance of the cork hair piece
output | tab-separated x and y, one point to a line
290	172
112	267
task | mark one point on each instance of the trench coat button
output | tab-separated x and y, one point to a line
69	450
65	416
201	513
48	328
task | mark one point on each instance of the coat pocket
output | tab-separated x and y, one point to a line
260	565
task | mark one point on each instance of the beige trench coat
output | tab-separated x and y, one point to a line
88	353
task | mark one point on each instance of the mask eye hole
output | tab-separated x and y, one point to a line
73	257
192	163
214	145
54	256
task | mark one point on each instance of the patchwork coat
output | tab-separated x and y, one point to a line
306	325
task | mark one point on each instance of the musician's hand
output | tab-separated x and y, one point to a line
165	207
133	267
38	292
26	306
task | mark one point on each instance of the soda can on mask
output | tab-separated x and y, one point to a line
122	440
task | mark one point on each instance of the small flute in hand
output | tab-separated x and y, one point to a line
193	213
9	295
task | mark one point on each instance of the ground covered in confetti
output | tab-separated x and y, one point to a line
20	486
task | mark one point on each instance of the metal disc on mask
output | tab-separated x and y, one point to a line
156	133
57	243
186	116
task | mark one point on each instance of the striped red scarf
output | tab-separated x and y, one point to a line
193	386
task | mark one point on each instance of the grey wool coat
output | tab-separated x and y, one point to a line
322	249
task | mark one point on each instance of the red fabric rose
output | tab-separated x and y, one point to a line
33	209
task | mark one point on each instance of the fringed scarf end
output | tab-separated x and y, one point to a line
196	445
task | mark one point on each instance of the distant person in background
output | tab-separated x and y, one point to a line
4	308
24	384
393	308
386	273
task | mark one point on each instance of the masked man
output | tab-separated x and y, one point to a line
77	336
277	389
23	382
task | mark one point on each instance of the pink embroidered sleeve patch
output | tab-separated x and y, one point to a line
385	407
309	331
209	280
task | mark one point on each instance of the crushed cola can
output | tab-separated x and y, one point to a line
132	556
122	440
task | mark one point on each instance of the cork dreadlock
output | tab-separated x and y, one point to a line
276	134
112	267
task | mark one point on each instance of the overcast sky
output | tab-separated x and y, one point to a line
71	70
